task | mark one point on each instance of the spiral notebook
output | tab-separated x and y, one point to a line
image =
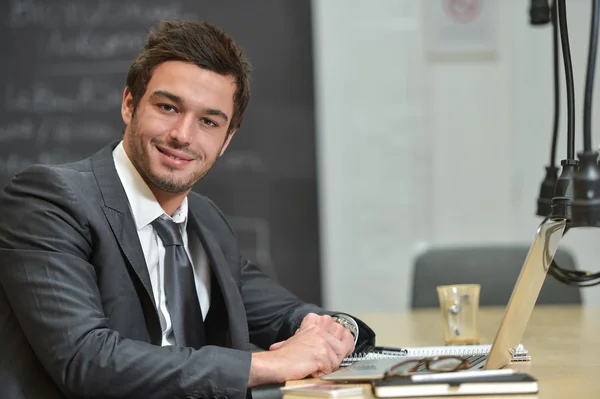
381	352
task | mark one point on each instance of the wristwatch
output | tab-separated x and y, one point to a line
349	323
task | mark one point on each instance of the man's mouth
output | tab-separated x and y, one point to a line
174	154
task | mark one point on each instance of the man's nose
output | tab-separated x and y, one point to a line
182	132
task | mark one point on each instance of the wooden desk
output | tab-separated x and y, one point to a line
563	341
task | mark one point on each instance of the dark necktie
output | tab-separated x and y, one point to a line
180	290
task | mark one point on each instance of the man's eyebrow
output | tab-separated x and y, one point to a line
217	112
166	94
176	99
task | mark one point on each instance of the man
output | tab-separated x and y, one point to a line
117	281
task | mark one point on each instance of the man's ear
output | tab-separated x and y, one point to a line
127	106
227	141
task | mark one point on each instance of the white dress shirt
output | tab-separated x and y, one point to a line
145	209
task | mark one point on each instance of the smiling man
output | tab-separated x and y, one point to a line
118	281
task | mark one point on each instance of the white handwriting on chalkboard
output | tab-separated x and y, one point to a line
96	44
13	163
57	130
42	98
64	130
23	13
22	130
85	68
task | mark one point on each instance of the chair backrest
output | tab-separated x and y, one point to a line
495	268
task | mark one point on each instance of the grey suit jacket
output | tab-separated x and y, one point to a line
77	314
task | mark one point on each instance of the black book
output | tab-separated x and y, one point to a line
458	383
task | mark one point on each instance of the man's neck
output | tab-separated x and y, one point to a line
169	202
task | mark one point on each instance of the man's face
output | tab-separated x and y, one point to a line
179	127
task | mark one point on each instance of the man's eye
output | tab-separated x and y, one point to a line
209	122
167	107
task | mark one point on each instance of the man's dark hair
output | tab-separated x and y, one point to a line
200	43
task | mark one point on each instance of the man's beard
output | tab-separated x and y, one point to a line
168	183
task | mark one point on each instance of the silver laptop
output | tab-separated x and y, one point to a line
516	316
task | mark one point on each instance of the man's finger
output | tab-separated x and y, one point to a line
339	347
338	330
318	374
334	360
349	343
276	345
311	319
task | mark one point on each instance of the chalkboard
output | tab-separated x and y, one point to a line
62	78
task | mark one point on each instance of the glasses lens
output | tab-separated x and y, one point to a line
404	367
447	364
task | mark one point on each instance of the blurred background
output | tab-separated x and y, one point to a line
377	129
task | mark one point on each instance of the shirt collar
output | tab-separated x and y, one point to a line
142	202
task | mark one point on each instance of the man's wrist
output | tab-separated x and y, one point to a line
263	370
348	322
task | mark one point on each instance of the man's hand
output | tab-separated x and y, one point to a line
317	348
327	324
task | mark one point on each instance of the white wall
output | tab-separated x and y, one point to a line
406	143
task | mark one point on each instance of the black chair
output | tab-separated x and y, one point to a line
495	268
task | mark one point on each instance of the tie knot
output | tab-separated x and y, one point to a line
168	231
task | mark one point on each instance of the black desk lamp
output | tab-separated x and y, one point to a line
575	195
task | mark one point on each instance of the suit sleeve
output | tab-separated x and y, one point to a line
45	243
274	313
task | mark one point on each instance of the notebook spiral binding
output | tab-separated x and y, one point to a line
518	354
373	355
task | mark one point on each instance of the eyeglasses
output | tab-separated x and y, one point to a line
440	364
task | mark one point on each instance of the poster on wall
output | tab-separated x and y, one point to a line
455	28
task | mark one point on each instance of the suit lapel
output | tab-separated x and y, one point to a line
122	224
229	289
